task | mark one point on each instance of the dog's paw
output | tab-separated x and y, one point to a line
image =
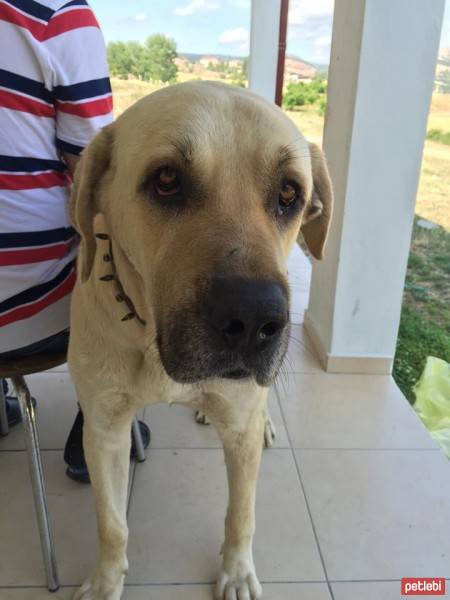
238	586
269	432
201	418
237	580
94	589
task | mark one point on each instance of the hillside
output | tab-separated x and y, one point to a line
296	69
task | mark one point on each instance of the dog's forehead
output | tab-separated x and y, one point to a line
204	119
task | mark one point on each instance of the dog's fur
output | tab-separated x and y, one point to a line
235	150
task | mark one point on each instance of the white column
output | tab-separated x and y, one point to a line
381	78
265	25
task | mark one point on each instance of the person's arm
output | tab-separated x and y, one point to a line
81	88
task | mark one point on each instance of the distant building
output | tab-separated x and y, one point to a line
205	61
182	63
444	55
296	70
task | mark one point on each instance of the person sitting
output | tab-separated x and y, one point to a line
55	94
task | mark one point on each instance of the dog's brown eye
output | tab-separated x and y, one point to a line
167	181
287	197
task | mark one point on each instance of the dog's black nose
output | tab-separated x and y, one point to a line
249	315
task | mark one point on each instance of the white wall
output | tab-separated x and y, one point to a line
381	76
265	24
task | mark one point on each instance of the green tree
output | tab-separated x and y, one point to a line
322	107
136	52
244	67
306	94
294	98
124	58
119	59
444	82
295	95
157	60
240	75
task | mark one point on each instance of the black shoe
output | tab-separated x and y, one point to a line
74	453
13	410
79	474
146	436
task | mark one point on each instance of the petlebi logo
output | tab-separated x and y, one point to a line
423	586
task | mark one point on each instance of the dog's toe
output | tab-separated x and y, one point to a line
243	589
95	591
238	588
85	592
201	418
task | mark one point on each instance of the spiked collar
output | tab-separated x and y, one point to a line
113	277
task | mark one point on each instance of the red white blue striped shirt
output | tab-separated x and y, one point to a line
54	96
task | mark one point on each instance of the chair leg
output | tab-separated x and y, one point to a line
138	442
37	481
4	429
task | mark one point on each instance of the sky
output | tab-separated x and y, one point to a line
222	26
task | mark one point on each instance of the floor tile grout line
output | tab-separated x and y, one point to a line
303	448
316	537
206	583
338	581
347	449
163	584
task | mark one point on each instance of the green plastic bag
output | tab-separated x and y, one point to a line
433	401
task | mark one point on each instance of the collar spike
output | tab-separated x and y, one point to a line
120	295
128	316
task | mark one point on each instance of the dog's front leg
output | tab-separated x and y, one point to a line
106	440
242	450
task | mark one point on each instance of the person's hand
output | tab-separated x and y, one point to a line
71	161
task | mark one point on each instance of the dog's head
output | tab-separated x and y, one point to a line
204	188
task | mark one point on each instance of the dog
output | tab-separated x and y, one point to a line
187	207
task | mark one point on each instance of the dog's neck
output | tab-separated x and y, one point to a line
113	277
118	288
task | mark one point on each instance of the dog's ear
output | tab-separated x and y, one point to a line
83	199
316	220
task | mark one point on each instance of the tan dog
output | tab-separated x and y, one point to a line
196	195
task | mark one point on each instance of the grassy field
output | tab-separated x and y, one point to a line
127	92
425	321
433	198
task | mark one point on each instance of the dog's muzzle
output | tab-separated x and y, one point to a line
240	331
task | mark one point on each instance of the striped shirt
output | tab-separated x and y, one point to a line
54	95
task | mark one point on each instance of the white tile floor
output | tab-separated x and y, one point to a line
353	497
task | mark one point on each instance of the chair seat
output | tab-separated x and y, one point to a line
35	363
